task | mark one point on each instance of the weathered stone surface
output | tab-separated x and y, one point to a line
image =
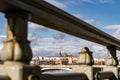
16	46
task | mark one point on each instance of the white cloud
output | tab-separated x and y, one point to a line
100	1
91	21
2	38
59	35
56	3
78	16
112	27
37	27
117	33
52	47
99	51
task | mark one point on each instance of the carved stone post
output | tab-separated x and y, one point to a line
16	52
16	46
112	62
85	57
112	59
85	62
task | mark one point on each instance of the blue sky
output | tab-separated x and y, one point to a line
99	13
103	14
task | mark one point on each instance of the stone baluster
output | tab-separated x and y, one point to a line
16	46
16	52
112	62
85	62
85	57
111	59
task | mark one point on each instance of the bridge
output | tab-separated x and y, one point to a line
64	67
16	53
45	68
56	67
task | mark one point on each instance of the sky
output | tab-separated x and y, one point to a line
103	14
